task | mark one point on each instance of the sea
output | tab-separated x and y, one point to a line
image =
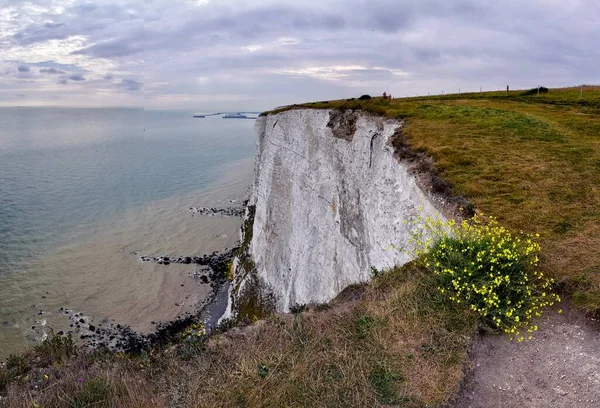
85	192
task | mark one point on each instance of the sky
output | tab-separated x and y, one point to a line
236	55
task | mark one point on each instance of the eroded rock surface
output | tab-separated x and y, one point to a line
331	202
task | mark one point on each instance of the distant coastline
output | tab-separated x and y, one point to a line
228	115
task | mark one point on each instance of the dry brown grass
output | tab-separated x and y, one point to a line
395	342
83	382
578	255
401	343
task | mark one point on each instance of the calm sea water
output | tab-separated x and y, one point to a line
82	190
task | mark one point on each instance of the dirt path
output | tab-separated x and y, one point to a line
559	368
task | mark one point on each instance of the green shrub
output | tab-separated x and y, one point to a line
55	349
483	265
534	91
93	392
17	365
194	340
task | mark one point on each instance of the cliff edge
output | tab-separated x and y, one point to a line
330	202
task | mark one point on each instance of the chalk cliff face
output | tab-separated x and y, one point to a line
329	201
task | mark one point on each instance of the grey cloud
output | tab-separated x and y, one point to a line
109	11
77	77
56	65
354	17
23	68
426	54
37	35
42	32
130	85
110	49
269	52
51	25
51	71
82	18
62	82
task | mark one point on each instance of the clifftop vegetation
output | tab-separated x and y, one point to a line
532	162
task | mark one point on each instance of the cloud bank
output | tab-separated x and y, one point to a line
214	55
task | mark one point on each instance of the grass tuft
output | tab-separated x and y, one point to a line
384	382
93	392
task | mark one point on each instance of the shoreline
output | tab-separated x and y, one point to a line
122	338
91	327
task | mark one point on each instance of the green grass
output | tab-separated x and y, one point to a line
93	392
532	162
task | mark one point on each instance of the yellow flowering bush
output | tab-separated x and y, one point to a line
485	266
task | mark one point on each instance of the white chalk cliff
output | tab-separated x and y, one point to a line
330	199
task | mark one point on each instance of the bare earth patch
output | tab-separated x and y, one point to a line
559	368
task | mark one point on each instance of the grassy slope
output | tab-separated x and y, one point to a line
534	163
397	341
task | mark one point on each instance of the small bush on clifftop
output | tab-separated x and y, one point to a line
535	91
494	272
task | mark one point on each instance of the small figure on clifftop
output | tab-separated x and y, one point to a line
384	95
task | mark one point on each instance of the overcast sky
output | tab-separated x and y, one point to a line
215	55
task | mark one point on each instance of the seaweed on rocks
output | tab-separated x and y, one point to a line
224	212
122	338
218	262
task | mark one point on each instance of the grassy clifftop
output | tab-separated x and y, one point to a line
532	161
